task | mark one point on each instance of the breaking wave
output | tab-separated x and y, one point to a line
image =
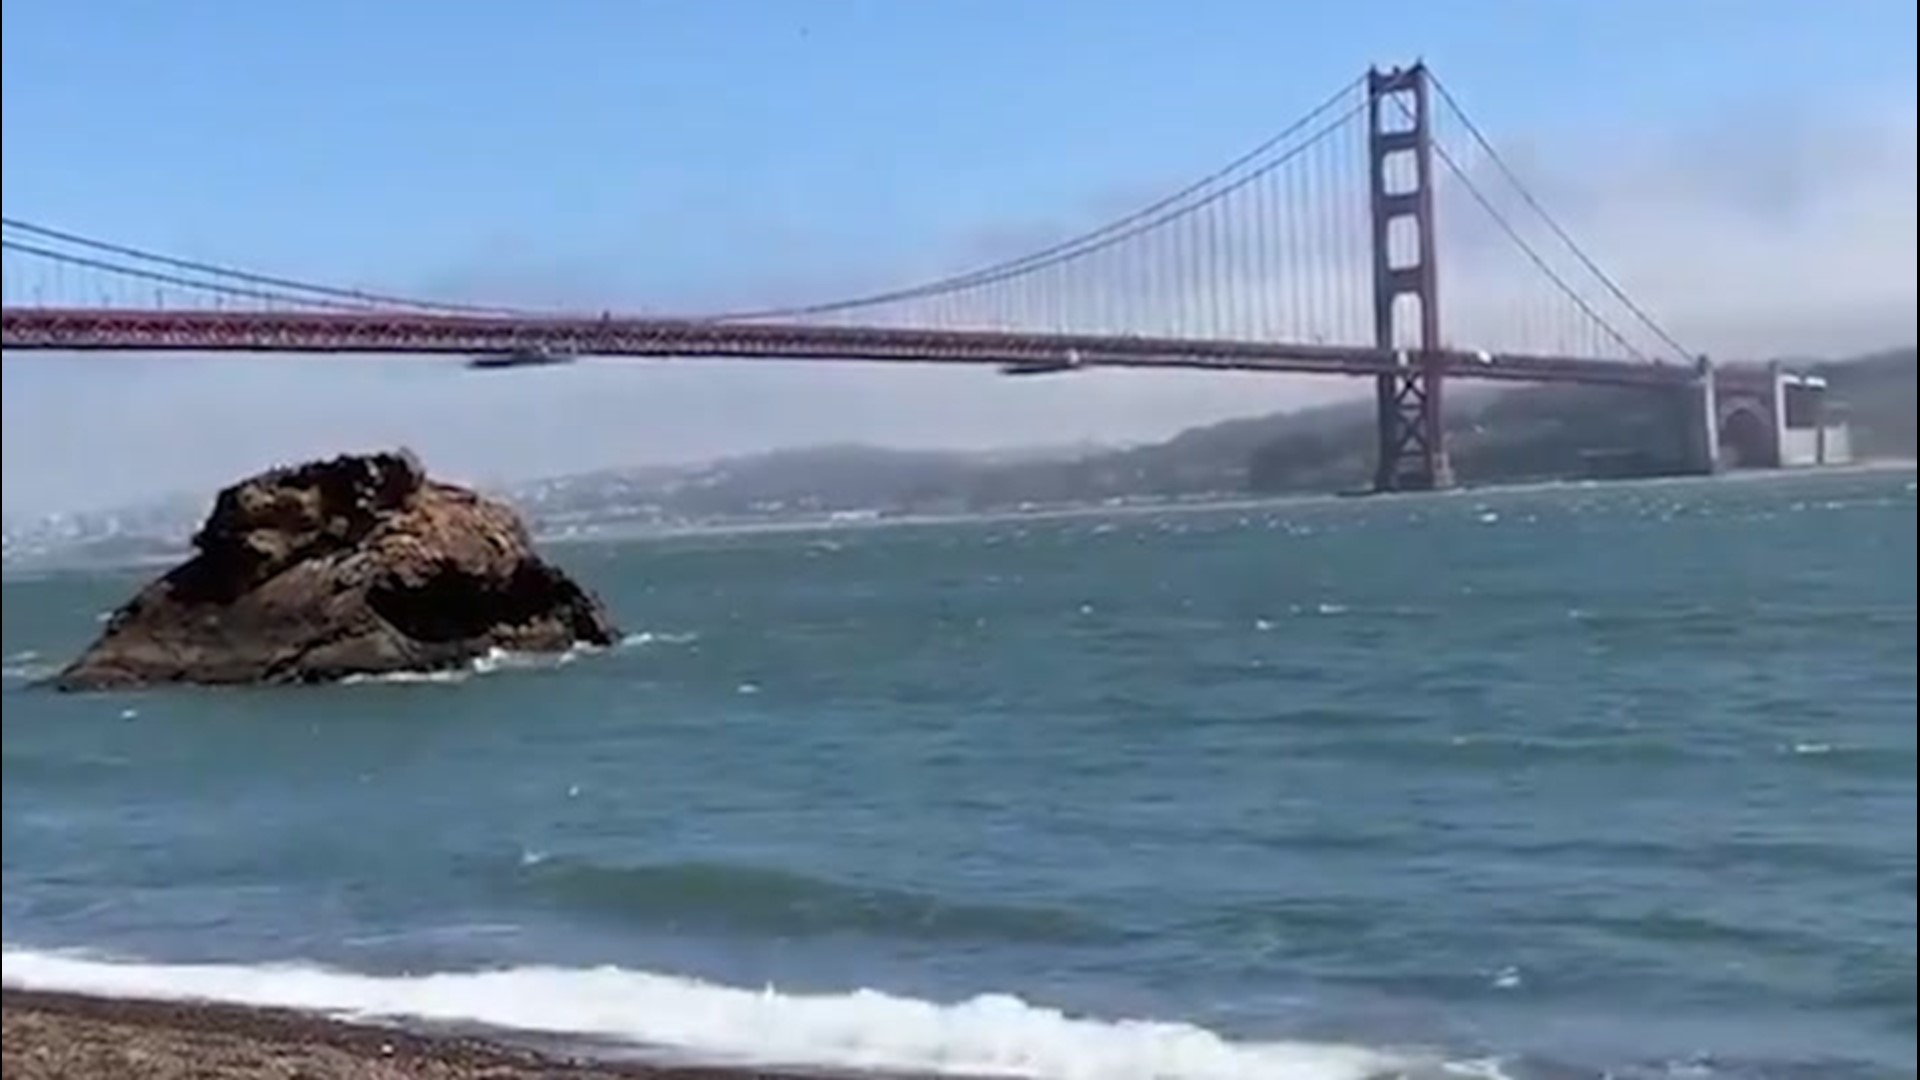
991	1035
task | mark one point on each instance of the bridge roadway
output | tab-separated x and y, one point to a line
390	333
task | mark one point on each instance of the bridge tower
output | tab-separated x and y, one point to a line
1412	454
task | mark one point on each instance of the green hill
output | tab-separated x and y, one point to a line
1877	394
1554	432
1530	433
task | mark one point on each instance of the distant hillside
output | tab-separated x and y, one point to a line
1548	432
1877	393
1528	433
787	484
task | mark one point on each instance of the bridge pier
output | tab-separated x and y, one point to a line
1700	422
1760	416
1412	451
1770	417
1412	448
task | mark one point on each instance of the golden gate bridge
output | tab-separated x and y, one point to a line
1318	251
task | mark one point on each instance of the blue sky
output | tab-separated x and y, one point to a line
711	152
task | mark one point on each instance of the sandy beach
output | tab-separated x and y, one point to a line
49	1036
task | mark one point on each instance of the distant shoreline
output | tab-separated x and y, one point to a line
1222	501
61	1036
619	532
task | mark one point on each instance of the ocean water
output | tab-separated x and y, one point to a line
1597	781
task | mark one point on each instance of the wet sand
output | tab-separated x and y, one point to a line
46	1036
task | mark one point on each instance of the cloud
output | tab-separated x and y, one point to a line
1759	233
1754	234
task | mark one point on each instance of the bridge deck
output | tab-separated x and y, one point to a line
387	333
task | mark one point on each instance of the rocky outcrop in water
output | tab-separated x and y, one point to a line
358	565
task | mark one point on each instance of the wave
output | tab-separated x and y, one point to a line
769	900
490	662
994	1035
496	660
27	665
28	673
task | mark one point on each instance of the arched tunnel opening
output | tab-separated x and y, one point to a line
1746	440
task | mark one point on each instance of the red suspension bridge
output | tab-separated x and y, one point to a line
1317	251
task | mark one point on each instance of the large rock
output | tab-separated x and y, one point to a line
357	565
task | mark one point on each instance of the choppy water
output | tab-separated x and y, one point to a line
1557	783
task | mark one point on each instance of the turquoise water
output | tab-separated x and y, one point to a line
1575	782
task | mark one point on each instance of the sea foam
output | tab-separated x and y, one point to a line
993	1035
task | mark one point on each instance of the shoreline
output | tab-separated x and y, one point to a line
1200	503
54	1035
613	532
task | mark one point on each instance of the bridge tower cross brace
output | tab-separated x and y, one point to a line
1412	451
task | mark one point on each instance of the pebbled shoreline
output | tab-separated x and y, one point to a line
57	1036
